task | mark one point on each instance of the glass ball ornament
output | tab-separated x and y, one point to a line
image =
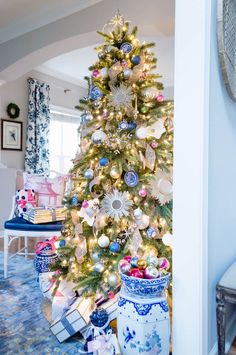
103	241
127	73
123	125
142	192
98	137
86	117
95	93
103	161
151	273
134	261
167	239
136	59
165	186
124	266
113	279
141	264
99	267
138	213
151	233
115	172
143	222
152	260
150	92
99	317
131	178
85	204
114	247
62	243
144	109
141	133
136	273
126	47
104	73
132	125
164	263
89	174
95	73
128	258
160	98
74	200
95	257
154	144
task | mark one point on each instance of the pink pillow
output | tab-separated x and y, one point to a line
50	191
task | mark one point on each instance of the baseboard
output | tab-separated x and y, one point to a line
230	335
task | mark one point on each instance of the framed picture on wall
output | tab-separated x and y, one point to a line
11	135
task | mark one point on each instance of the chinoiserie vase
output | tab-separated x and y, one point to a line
45	257
143	321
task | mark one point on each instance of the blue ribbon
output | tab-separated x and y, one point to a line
68	327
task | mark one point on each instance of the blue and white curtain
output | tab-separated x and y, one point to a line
37	140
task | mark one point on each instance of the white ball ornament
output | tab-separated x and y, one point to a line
127	73
141	133
95	257
115	172
98	136
104	73
165	186
103	241
138	213
143	222
113	280
99	267
167	239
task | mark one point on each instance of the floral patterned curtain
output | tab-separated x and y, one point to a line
37	140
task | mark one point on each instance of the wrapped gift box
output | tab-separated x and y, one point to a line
40	215
74	320
25	200
104	344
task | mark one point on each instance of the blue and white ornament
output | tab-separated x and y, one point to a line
89	174
151	232
99	317
62	243
123	125
131	178
132	125
114	247
134	261
136	59
104	161
126	47
95	93
74	200
86	117
98	136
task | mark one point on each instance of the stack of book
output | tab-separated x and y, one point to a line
38	215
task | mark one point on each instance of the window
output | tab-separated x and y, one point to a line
63	139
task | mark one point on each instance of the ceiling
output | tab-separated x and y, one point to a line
18	17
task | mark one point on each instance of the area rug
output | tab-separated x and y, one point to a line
23	327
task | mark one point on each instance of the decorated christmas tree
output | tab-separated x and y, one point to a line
120	200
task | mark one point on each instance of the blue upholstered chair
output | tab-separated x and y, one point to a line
17	227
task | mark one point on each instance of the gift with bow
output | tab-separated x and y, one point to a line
25	199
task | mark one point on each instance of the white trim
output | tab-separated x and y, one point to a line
230	336
190	214
64	111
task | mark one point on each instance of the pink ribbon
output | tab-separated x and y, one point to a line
41	245
22	203
30	199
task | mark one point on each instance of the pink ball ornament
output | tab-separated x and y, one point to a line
124	266
164	264
128	258
151	273
136	273
154	144
85	204
95	73
142	192
160	98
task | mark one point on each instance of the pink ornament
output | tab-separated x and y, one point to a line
160	98
124	266
142	192
163	264
127	258
154	144
136	273
124	63
95	73
85	204
111	295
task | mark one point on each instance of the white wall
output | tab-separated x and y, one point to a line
17	92
222	178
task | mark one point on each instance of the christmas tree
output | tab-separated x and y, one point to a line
120	200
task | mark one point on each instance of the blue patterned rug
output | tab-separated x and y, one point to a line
23	327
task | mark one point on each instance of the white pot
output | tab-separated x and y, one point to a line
143	323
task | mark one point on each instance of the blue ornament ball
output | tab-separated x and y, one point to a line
151	233
62	243
132	125
88	174
95	93
134	261
74	199
104	161
136	59
123	125
114	247
131	178
99	317
126	47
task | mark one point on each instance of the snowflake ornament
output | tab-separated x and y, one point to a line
116	204
161	186
120	97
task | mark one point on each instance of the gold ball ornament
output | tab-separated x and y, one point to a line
115	172
141	264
